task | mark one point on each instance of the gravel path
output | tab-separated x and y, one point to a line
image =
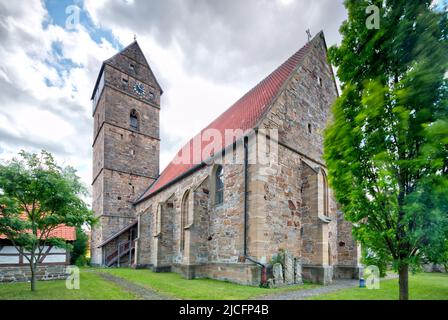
306	293
143	293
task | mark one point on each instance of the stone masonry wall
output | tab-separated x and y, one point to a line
145	247
282	212
305	104
200	233
292	205
348	249
140	72
120	101
217	231
164	242
125	160
23	273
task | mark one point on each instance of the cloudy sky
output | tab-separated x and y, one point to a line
205	54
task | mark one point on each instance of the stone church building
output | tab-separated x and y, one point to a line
209	215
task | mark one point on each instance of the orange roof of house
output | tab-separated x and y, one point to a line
65	232
243	114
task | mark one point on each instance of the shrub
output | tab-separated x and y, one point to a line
278	258
78	254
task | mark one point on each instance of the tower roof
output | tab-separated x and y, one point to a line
134	52
244	114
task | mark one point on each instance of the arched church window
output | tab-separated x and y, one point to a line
325	194
185	218
133	120
219	185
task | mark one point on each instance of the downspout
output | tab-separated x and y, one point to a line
263	279
246	176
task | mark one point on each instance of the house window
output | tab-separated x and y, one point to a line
309	128
133	120
132	67
219	185
319	81
185	219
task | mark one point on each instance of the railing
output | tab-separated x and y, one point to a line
123	248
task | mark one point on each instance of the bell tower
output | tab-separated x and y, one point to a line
126	143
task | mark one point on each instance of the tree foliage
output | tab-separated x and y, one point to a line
79	251
37	196
387	148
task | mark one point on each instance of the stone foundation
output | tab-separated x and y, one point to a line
143	266
161	269
348	272
318	274
23	273
241	273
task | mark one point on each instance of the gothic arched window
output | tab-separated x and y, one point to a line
219	185
185	218
325	194
133	120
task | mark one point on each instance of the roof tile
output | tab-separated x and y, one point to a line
65	232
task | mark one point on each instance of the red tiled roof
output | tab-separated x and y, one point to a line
65	232
243	114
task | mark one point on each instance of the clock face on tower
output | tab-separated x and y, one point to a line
139	89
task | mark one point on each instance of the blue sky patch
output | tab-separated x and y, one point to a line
59	12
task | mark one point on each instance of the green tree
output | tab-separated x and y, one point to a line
79	250
369	258
36	196
387	147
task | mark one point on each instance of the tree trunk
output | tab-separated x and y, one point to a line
403	280
33	278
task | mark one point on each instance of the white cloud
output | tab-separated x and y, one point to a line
34	115
208	55
205	56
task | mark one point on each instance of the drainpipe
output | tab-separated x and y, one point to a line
246	176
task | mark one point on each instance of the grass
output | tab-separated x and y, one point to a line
422	286
174	285
92	287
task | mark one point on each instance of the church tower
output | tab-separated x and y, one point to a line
126	144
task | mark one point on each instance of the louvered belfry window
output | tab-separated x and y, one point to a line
133	119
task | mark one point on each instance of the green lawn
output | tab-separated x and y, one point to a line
431	286
92	287
174	285
422	286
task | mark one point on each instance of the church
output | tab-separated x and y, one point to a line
249	187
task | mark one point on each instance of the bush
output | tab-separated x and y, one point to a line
278	258
78	254
81	261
